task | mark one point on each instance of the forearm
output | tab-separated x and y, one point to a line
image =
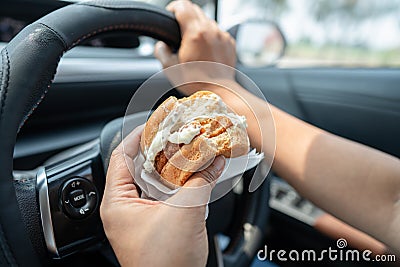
358	184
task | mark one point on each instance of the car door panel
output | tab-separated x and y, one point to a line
359	104
275	85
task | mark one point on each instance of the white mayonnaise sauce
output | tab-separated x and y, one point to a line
185	134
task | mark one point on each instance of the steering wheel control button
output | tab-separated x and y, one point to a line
78	198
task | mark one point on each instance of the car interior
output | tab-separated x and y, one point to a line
69	70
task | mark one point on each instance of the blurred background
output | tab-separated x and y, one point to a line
325	32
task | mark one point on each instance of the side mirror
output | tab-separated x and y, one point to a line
259	43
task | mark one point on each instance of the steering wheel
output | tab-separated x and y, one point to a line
55	212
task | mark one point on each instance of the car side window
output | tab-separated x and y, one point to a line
345	33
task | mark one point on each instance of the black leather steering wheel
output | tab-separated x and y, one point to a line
28	66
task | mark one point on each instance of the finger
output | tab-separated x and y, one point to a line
119	181
164	54
185	13
197	190
131	143
119	176
172	6
207	176
200	13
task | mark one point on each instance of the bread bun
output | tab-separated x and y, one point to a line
182	136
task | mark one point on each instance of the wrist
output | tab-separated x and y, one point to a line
220	87
224	87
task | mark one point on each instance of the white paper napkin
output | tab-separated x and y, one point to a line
153	188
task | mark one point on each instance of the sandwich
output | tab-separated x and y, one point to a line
183	136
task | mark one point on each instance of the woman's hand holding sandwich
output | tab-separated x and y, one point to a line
149	233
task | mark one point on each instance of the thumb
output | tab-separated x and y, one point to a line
207	176
197	190
164	54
